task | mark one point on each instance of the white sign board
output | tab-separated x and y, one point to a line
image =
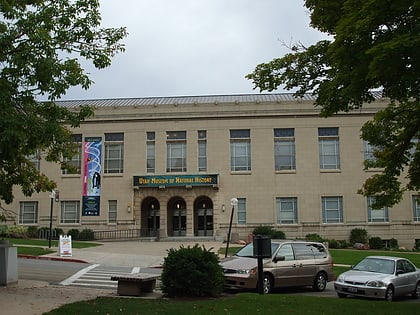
64	245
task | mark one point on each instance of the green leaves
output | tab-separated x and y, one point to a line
375	46
41	43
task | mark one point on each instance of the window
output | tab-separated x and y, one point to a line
28	212
240	150
202	150
75	162
112	211
368	151
286	210
150	151
114	153
329	149
241	211
70	212
35	159
332	209
376	215
176	146
284	149
416	208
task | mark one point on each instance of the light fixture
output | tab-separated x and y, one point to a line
129	208
223	208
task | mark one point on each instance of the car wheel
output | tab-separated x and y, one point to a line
389	294
341	295
267	283
416	292
320	282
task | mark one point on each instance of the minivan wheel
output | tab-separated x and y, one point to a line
320	282
267	283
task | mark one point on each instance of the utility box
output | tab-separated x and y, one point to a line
8	263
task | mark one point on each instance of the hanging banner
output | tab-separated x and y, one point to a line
92	176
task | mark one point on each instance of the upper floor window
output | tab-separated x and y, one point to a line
202	150
332	209
75	163
150	151
284	149
416	208
35	159
241	210
176	151
329	148
114	153
240	150
70	212
368	150
286	210
376	215
28	212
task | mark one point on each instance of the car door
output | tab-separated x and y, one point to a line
284	270
305	264
402	279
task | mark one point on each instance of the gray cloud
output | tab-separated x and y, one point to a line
194	47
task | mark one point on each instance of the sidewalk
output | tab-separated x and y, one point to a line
37	297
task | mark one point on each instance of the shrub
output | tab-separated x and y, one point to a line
393	243
358	236
3	230
192	271
314	237
338	244
86	235
74	233
376	243
269	231
57	232
16	231
32	232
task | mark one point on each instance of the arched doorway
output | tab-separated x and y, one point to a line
151	217
203	217
177	217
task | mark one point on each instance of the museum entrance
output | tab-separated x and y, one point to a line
151	217
177	217
203	217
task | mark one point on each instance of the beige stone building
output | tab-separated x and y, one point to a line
170	167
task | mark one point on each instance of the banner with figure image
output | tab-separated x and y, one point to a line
92	176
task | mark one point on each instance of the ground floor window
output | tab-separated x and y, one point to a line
241	210
112	211
376	215
28	212
286	208
70	212
416	208
332	209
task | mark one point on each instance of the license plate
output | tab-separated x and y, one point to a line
353	290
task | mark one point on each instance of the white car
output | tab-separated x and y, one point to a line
380	277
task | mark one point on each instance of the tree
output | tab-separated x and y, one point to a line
41	42
372	45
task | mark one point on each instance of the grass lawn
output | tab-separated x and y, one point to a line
243	303
40	247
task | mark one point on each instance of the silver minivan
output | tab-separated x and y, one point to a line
293	264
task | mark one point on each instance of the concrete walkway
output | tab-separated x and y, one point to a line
37	297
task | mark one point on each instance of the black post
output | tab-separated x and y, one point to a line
51	215
259	243
230	228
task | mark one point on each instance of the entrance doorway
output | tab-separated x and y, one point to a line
177	223
151	217
203	217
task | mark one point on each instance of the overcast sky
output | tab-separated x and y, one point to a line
195	47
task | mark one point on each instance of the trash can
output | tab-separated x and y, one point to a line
8	263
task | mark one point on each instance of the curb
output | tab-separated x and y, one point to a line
52	258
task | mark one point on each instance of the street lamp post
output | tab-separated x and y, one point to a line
54	197
233	203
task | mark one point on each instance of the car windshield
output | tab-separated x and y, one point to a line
248	250
378	265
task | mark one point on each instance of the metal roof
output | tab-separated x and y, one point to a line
200	99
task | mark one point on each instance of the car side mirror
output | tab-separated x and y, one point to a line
279	258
